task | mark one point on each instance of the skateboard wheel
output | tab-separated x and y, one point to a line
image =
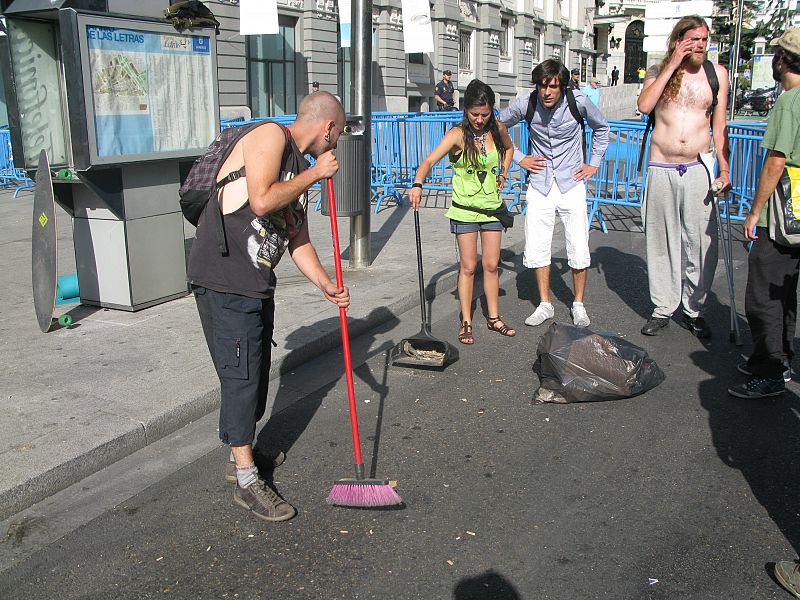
65	320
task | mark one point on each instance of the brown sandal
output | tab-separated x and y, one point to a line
465	334
492	324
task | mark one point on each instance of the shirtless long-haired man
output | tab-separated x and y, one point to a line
678	207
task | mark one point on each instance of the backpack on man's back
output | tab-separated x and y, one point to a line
201	183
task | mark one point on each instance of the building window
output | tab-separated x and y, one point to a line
271	71
343	70
343	76
537	41
416	58
506	38
465	50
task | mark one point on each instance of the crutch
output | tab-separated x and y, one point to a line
727	255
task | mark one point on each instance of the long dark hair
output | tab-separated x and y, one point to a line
479	94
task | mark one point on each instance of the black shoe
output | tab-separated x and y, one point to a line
654	325
758	387
697	326
787	372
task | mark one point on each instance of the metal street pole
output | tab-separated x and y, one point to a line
361	104
735	51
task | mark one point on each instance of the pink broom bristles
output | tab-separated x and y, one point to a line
363	492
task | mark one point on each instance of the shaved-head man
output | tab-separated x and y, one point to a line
264	213
678	207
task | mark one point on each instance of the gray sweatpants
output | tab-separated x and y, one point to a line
679	214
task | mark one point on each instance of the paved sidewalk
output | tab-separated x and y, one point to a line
76	400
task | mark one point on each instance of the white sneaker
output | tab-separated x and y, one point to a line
579	316
543	312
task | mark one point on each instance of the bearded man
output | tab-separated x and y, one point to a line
678	206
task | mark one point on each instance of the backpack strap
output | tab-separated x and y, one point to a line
573	108
531	110
233	176
651	121
713	81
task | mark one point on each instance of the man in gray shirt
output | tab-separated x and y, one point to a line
557	175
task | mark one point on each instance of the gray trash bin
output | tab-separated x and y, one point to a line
350	152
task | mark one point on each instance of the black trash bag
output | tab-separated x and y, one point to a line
575	364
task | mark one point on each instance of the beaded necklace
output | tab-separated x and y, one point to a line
481	139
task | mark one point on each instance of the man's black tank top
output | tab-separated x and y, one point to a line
255	244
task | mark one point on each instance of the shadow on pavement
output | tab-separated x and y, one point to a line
626	276
489	585
284	428
759	438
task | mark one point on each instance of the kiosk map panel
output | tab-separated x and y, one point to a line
152	92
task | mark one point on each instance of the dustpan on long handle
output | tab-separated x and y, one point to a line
423	349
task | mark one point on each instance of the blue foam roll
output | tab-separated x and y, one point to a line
67	289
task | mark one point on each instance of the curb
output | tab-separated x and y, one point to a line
140	434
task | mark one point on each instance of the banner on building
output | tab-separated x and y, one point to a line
345	16
257	17
417	28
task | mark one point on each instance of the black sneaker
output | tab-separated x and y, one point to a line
742	368
758	387
263	502
654	325
697	326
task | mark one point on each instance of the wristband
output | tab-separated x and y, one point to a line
416	184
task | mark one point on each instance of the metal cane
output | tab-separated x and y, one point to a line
727	255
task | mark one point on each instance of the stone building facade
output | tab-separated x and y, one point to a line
497	41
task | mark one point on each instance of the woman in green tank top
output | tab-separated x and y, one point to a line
480	150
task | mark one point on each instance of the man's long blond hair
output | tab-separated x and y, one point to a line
681	27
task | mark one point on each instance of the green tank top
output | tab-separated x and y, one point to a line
475	185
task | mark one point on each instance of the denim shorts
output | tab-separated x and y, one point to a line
473	227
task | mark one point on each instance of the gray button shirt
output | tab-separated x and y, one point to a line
556	135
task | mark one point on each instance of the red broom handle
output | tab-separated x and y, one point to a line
348	363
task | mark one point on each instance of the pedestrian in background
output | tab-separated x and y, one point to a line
265	210
772	275
558	172
592	91
314	86
444	92
575	79
614	76
641	73
480	151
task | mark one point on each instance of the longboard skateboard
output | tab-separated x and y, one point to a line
44	249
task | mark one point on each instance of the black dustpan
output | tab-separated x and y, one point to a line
422	350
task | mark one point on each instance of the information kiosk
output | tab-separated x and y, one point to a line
121	103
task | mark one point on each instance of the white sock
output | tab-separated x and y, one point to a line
246	475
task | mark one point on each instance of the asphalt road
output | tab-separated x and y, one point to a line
680	493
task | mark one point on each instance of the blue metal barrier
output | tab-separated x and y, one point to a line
9	174
400	141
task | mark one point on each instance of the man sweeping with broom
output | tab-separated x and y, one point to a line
264	210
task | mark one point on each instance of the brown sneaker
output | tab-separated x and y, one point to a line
230	467
263	502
